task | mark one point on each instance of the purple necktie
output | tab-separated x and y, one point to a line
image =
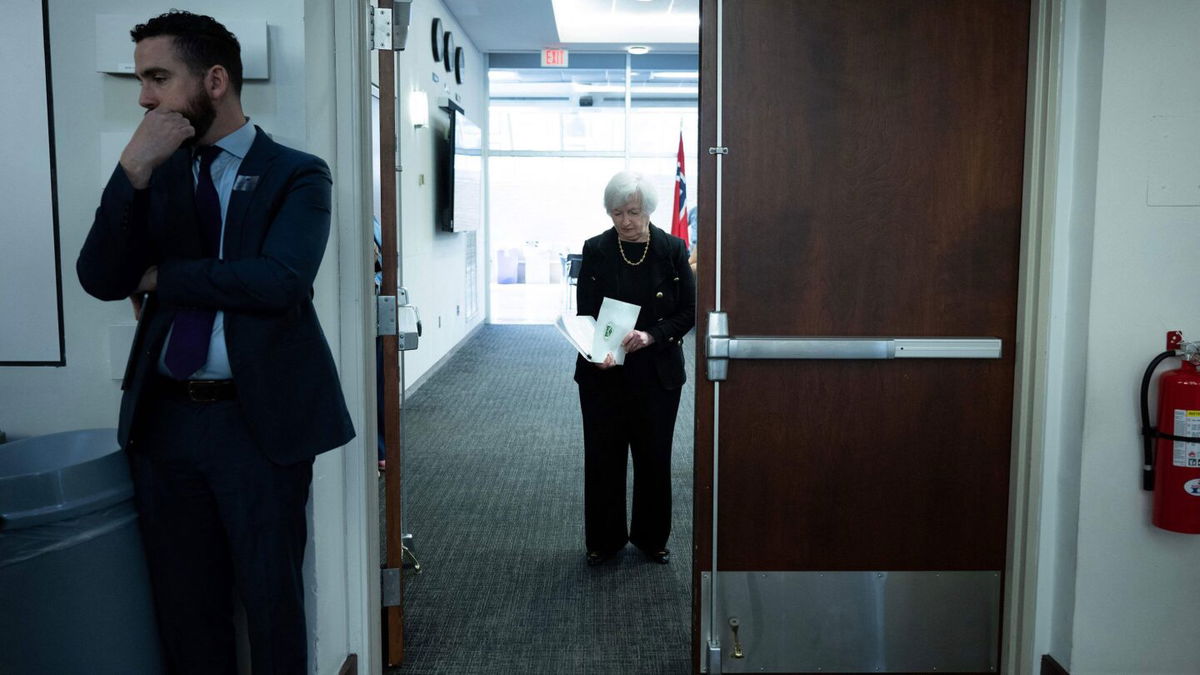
187	349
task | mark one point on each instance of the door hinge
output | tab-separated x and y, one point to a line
389	584
385	315
388	27
717	353
380	27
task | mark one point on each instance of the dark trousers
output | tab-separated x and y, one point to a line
216	516
622	418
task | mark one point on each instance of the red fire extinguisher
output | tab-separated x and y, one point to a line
1172	449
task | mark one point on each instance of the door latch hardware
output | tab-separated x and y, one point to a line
717	360
734	624
408	328
714	657
396	317
722	348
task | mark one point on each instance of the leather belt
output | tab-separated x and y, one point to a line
197	391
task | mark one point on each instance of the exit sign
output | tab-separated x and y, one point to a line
554	58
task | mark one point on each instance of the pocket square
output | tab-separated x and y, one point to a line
245	183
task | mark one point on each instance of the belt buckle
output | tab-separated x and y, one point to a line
201	392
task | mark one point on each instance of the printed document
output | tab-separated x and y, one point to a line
596	338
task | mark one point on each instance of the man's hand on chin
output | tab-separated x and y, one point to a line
158	135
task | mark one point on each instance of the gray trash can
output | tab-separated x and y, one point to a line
74	590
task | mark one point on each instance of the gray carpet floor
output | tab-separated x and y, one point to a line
494	465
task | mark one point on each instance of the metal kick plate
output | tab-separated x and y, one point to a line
858	622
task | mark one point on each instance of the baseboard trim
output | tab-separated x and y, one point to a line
1052	667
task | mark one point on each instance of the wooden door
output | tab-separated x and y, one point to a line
391	376
871	189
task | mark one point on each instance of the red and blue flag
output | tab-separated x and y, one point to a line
679	216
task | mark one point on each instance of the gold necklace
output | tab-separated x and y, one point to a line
646	251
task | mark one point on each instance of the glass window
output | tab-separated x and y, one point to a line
536	130
655	131
596	129
656	134
569	128
549	203
525	128
499	133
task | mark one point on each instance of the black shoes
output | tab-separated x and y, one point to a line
595	558
661	557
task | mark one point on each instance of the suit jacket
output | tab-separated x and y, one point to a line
668	313
276	228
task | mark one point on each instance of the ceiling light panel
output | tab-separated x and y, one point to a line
627	21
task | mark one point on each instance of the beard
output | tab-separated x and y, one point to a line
201	113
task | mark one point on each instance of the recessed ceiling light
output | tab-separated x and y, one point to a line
674	75
638	50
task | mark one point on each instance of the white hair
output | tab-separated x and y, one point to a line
624	186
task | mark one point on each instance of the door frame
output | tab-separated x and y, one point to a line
1034	321
1020	627
356	329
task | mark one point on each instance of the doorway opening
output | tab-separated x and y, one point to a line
493	439
555	137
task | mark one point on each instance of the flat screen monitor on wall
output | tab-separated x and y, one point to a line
460	178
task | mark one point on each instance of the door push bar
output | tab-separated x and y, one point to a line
722	348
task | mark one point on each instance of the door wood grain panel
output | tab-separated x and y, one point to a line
872	188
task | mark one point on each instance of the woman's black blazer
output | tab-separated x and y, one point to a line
668	313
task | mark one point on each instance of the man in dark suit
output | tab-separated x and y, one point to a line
217	232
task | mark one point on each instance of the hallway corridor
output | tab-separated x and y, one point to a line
494	469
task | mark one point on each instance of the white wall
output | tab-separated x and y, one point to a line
433	263
1135	587
94	114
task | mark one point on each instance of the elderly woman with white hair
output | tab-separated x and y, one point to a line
631	408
